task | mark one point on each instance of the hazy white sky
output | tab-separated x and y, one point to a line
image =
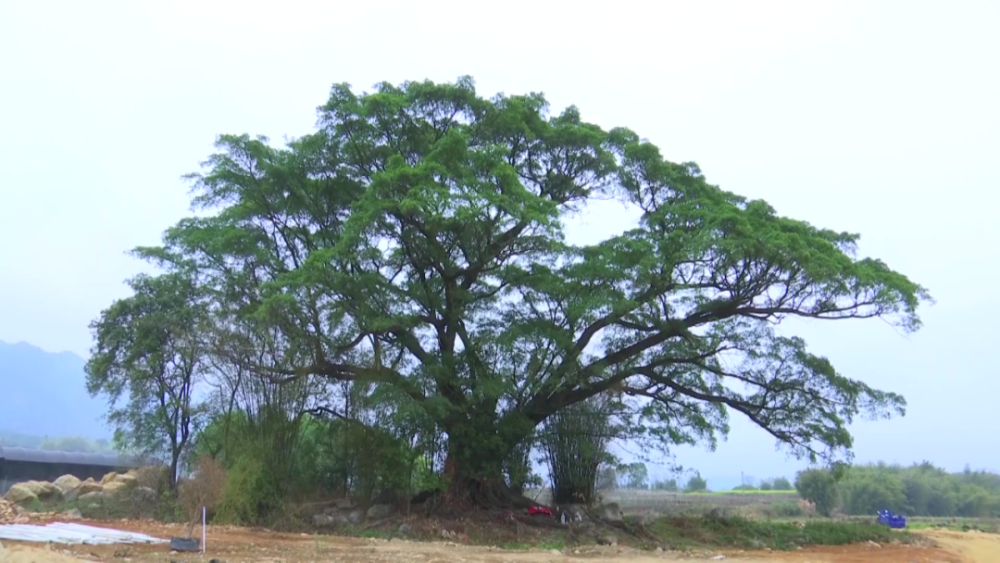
875	117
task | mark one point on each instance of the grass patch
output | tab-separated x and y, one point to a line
957	524
522	546
376	534
740	492
115	507
687	533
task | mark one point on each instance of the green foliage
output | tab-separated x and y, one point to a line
819	487
381	447
636	475
871	493
696	484
425	478
745	488
920	490
776	484
264	450
757	534
383	462
270	457
783	509
669	485
147	360
782	484
574	445
607	477
323	457
415	245
253	495
517	467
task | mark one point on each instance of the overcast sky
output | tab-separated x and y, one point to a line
880	118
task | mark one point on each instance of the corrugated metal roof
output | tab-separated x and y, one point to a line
78	458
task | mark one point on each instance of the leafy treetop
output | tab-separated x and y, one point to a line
416	241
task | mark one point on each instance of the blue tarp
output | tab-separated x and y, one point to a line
887	518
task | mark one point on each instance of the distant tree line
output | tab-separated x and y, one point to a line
918	490
636	476
55	443
773	484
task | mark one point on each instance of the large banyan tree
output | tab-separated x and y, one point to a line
416	241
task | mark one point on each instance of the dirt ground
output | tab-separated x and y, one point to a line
971	546
230	545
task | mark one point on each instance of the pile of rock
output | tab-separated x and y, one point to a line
9	513
68	488
345	512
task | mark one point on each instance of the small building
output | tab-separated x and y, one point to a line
18	465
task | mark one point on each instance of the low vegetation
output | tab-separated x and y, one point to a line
917	490
204	492
736	532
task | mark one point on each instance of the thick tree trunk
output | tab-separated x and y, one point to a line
474	468
174	465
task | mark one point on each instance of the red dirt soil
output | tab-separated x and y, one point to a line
230	544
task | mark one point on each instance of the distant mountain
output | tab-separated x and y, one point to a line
45	394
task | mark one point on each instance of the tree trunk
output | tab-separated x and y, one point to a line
175	457
474	469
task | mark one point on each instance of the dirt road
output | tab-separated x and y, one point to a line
230	545
973	547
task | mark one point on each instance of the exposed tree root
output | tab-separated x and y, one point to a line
494	496
539	521
634	529
476	494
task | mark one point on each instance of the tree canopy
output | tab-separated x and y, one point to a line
147	359
415	242
921	489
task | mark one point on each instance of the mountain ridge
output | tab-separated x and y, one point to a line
44	393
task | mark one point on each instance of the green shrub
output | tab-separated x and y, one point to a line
818	486
696	484
252	495
782	484
757	534
918	490
783	510
669	485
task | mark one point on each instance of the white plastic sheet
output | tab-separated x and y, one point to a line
63	533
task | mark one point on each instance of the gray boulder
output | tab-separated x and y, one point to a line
21	495
71	514
96	497
323	521
380	511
